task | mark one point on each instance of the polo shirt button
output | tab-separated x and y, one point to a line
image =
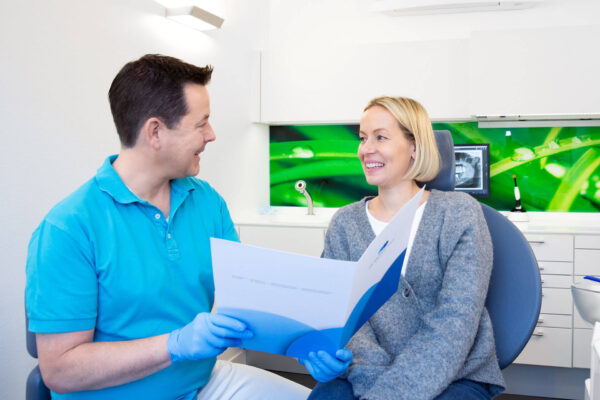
157	216
168	235
406	292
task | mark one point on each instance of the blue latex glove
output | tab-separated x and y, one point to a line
208	335
324	368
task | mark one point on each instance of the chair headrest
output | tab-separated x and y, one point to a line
445	178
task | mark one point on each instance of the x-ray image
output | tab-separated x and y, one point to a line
469	169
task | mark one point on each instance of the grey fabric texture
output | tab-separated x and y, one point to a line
435	328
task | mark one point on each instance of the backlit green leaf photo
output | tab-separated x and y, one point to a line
558	168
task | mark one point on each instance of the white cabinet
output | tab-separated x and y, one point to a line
582	340
587	262
562	338
551	342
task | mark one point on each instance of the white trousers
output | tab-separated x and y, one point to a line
232	381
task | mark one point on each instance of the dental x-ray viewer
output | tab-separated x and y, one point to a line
119	276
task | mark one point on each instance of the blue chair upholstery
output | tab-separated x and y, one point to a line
515	292
35	388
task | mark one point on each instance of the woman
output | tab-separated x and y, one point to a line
433	338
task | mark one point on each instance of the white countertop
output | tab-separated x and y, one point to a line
538	222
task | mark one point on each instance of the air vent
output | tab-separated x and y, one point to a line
428	7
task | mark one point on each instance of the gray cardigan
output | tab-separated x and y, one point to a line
434	329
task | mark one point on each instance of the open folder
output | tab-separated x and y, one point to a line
294	303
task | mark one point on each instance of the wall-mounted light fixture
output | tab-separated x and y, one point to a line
194	17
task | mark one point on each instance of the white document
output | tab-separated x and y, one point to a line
296	303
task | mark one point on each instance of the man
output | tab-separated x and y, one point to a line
119	275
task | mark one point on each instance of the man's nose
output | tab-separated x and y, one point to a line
210	134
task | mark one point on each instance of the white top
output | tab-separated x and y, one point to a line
379	226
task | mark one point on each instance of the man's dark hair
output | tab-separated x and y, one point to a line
152	86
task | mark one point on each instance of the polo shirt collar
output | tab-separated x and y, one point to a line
110	182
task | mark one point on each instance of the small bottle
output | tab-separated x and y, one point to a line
518	207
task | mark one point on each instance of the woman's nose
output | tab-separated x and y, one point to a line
367	146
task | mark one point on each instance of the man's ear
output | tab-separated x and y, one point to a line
150	132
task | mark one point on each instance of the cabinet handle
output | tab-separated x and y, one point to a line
540	321
541	267
537	241
537	333
541	280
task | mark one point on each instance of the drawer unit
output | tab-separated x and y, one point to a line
557	301
587	241
587	262
551	247
582	348
549	347
555	268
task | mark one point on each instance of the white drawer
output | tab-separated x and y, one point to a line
587	242
548	346
557	281
551	247
579	322
556	268
587	262
557	301
582	348
554	321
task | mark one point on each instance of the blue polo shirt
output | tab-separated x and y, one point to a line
107	260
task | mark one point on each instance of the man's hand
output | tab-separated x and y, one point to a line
324	368
208	335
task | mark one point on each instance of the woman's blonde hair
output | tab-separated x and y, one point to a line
416	126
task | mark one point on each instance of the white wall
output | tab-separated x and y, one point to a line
58	59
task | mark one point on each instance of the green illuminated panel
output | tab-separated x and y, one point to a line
557	168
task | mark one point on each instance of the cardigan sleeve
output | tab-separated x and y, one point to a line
436	353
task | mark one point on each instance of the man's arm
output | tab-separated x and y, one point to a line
72	362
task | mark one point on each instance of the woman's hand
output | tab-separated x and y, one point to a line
323	367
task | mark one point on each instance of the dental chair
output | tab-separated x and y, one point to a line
35	388
515	292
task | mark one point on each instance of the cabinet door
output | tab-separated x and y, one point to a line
301	240
582	348
548	346
551	247
587	262
587	242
